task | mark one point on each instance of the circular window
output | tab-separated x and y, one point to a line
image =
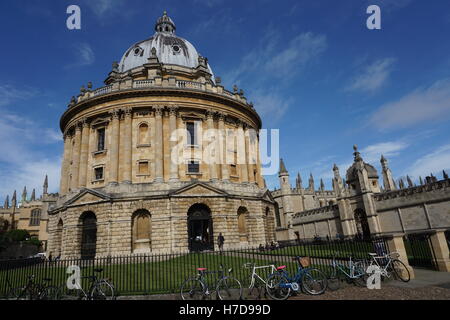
137	51
176	49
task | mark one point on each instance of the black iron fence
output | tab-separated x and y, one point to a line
164	273
420	251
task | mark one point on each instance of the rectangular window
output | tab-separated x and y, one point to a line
191	133
101	139
193	167
98	173
143	167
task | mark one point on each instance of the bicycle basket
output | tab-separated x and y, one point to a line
305	261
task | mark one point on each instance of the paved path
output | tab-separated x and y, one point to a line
425	278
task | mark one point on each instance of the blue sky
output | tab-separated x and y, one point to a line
312	69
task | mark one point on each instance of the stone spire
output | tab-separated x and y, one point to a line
24	195
338	182
420	180
410	183
388	180
401	184
33	195
311	182
45	185
298	181
6	205
444	175
14	200
282	167
322	185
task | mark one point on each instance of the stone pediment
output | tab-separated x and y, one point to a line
199	189
86	196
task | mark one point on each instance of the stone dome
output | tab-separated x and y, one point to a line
170	49
352	174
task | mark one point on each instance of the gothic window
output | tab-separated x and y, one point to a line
144	134
101	139
35	218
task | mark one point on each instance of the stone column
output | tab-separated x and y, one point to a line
159	157
249	150
396	244
76	158
223	147
174	160
242	152
441	250
114	147
212	146
65	166
127	156
84	154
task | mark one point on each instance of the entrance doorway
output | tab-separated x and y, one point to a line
88	235
200	228
362	226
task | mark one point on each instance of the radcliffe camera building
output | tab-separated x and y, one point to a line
123	187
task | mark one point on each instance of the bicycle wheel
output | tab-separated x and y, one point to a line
277	286
334	281
229	288
400	270
314	281
192	289
17	294
102	290
255	292
362	276
50	293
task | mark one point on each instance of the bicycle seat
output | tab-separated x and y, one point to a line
98	270
372	254
201	269
281	268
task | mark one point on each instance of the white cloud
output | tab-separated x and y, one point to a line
434	162
9	94
420	106
272	59
104	8
21	161
270	104
372	77
84	56
372	153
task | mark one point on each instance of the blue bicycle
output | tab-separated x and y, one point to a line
280	284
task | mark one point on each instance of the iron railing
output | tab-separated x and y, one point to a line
165	272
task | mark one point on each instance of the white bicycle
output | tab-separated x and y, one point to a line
390	266
257	281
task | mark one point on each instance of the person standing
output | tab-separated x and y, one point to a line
220	241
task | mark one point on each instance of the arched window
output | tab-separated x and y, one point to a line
141	231
242	223
88	222
35	218
143	134
59	238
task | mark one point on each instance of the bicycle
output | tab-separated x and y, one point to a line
257	283
311	280
354	272
35	291
99	289
389	264
226	287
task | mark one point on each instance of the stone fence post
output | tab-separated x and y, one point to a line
396	244
441	250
